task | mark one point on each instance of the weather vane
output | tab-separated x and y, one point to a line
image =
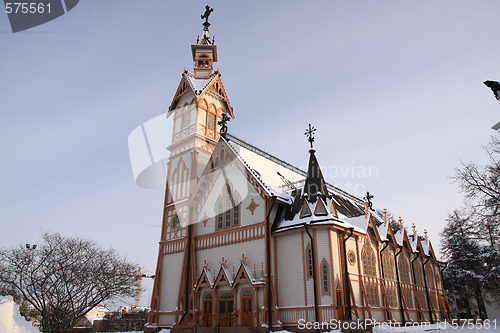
205	16
369	198
223	124
310	134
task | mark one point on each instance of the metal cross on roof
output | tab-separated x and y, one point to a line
369	198
310	134
205	16
223	124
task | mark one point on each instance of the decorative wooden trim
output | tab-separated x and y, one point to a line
230	236
252	206
205	219
306	210
320	206
174	246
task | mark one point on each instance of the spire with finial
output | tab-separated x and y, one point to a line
204	51
400	224
310	134
426	237
315	184
414	230
223	263
385	218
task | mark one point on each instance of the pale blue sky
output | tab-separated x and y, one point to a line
395	85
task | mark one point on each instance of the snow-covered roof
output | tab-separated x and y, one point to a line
198	85
399	235
359	223
267	171
280	178
414	243
382	230
425	246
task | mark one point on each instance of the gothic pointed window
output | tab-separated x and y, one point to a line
325	280
236	212
211	121
370	278
309	261
228	207
404	276
219	215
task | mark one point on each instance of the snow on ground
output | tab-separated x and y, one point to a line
12	322
10	319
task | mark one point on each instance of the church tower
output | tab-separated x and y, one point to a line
197	107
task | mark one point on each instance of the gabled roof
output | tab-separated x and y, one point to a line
199	87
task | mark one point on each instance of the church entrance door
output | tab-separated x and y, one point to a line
226	308
207	310
246	308
340	312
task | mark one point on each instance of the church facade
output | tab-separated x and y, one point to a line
250	240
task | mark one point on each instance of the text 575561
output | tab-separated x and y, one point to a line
27	7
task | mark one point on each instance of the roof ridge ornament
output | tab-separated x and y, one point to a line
414	230
400	224
385	217
310	134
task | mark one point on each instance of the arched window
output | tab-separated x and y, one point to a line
369	262
228	209
404	276
228	206
370	273
236	212
325	280
388	264
309	261
388	267
219	215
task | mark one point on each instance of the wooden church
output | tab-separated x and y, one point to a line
250	240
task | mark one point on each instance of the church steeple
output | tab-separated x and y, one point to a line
204	51
315	184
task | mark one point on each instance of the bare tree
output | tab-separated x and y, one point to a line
66	277
481	187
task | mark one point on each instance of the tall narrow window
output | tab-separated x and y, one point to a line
219	215
325	278
228	206
370	272
309	261
236	212
211	121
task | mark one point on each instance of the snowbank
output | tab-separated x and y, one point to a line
10	319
